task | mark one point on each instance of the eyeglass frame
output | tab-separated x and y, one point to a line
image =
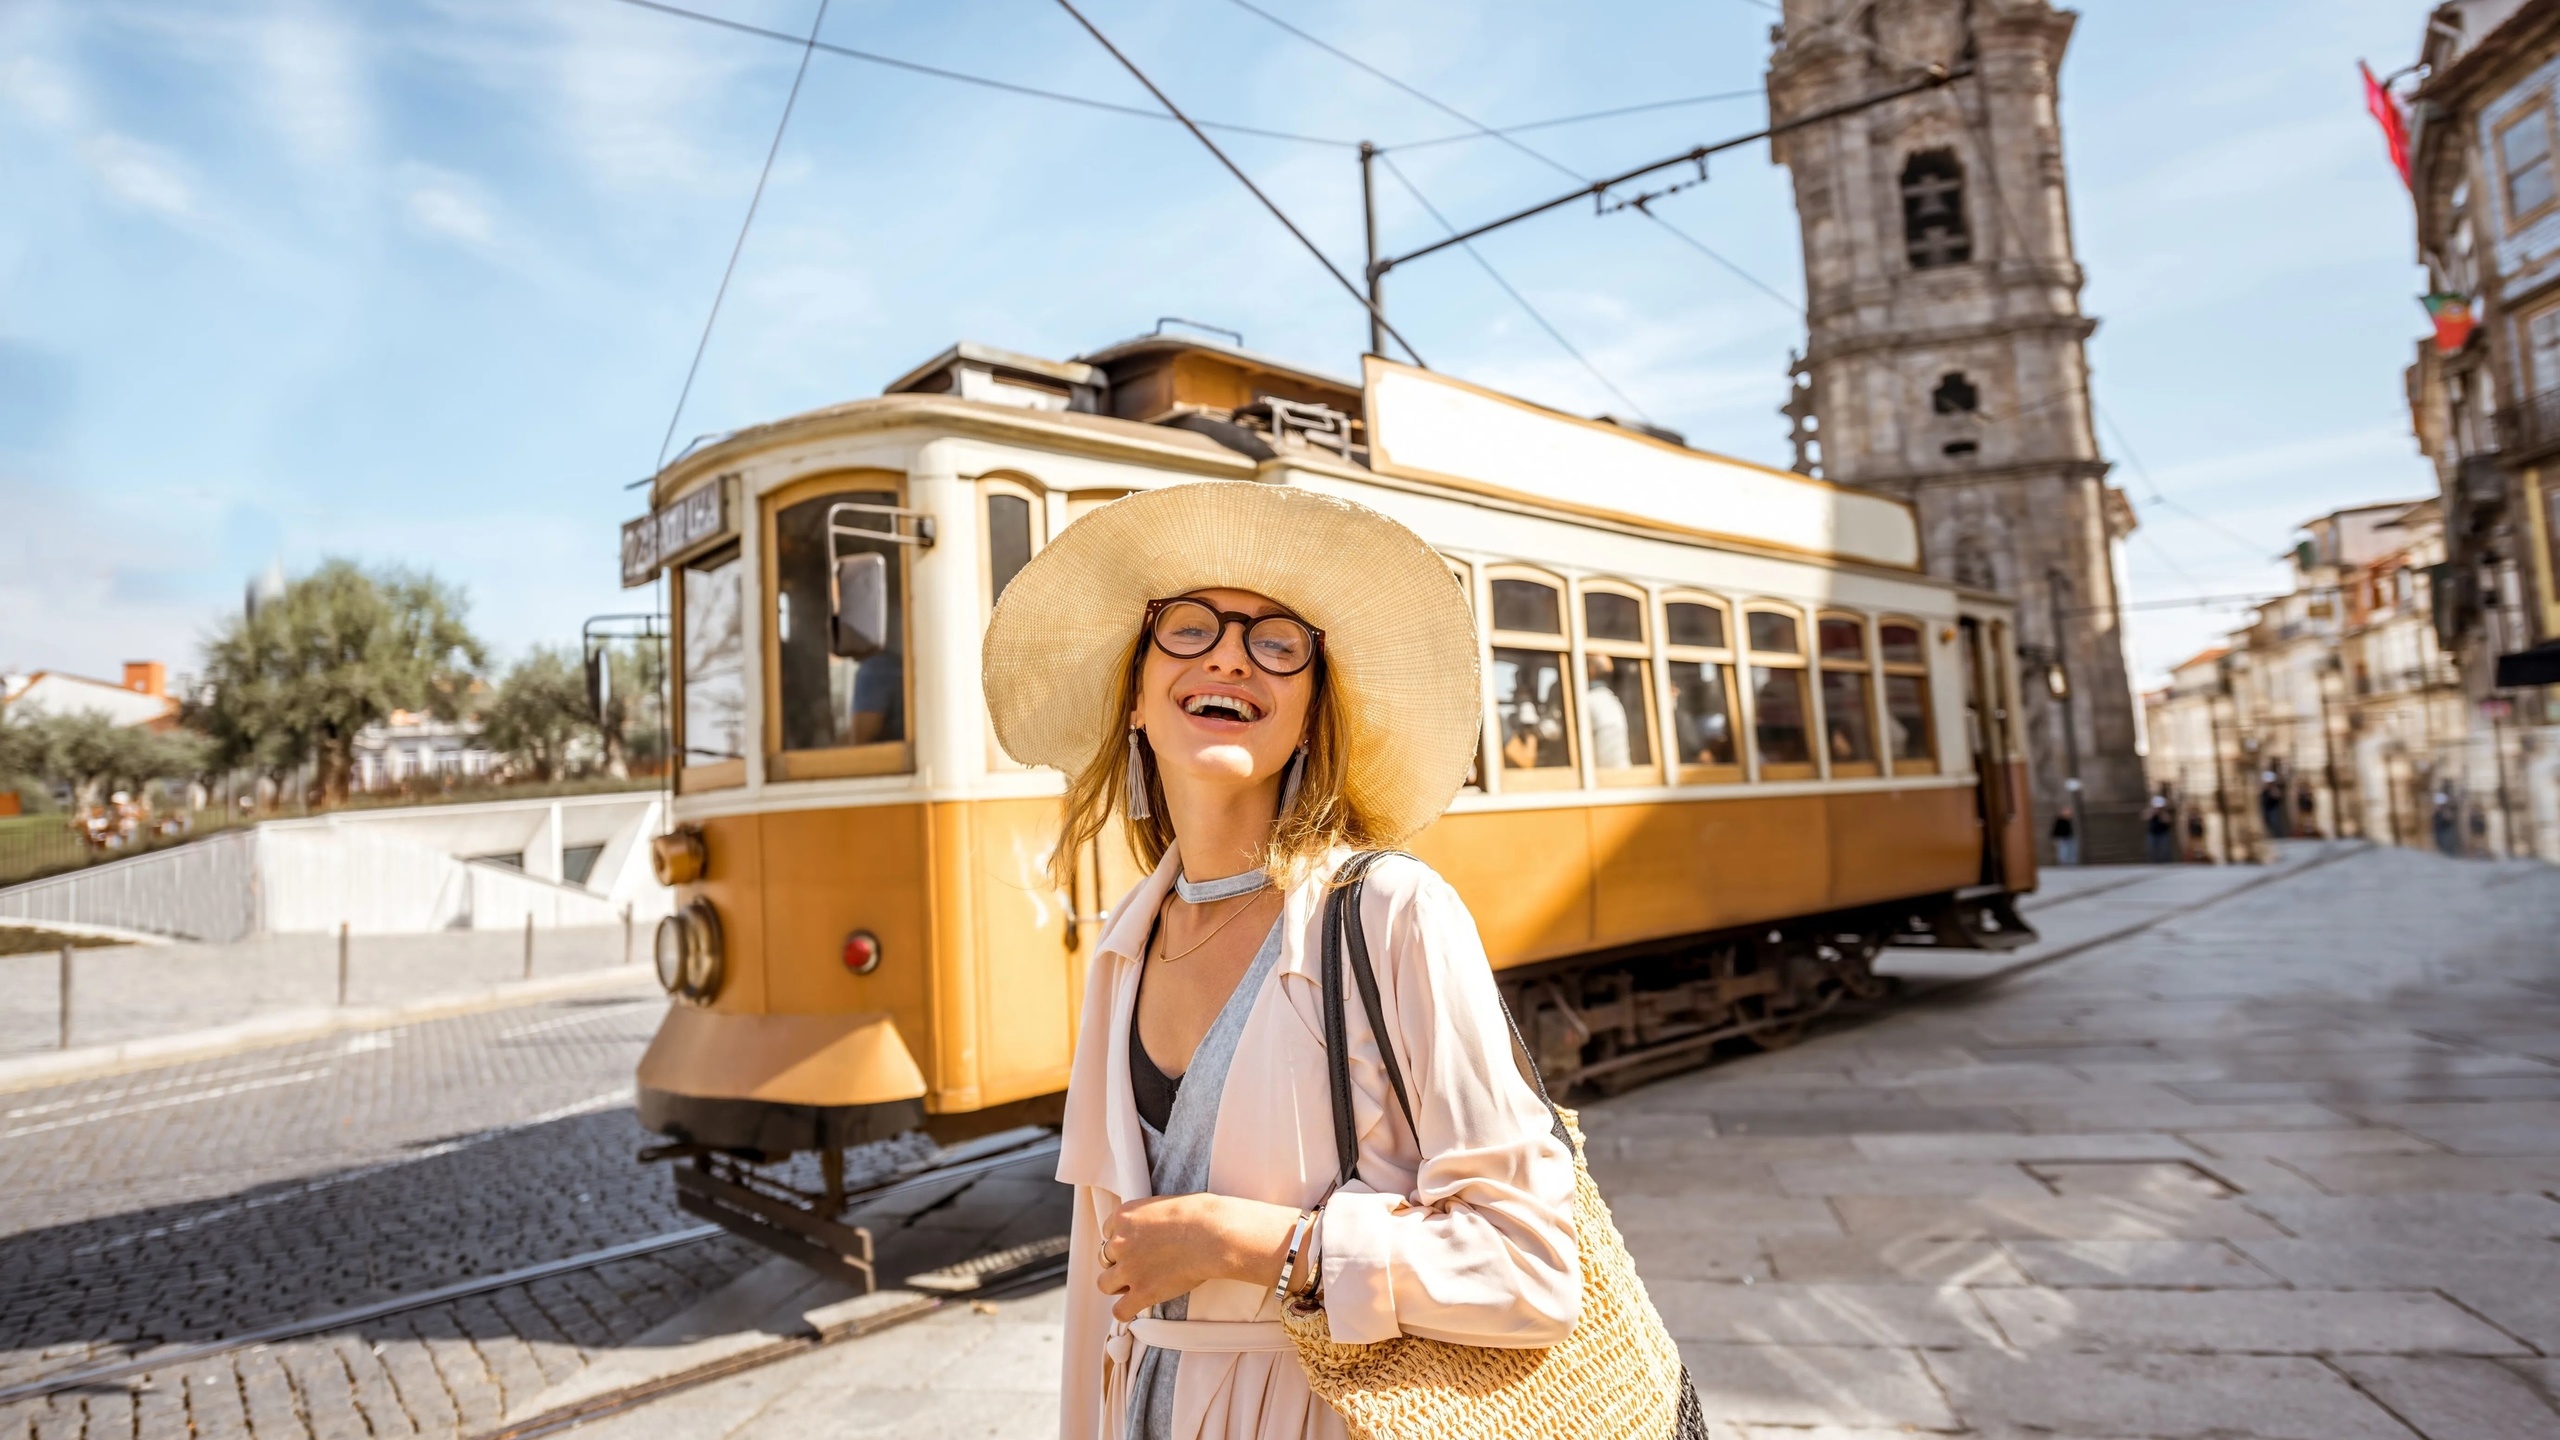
1147	633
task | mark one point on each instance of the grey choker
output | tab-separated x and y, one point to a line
1203	892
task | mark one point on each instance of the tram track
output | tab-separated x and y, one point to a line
965	1171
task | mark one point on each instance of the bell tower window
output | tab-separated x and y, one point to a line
1933	228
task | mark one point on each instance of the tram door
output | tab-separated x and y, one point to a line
1985	719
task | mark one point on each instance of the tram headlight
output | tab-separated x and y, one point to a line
861	952
705	958
690	953
669	953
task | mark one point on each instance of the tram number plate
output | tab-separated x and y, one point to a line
672	530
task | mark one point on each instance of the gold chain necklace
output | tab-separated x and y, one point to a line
1232	917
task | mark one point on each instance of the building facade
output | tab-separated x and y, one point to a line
2339	712
2484	399
1944	358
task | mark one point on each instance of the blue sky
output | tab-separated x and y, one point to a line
417	281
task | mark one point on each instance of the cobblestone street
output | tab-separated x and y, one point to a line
199	1201
2263	1153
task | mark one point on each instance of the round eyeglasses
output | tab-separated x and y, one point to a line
1187	629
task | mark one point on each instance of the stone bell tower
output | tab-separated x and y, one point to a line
1943	362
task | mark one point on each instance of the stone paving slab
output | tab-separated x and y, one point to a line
2250	1321
2451	1398
2006	1396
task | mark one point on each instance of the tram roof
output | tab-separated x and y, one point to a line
1406	422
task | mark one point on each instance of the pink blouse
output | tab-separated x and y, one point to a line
1462	1233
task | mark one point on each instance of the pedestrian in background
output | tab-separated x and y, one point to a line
2157	829
1237	671
2066	838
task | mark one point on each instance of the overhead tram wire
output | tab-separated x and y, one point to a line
1651	105
1087	102
790	101
1543	323
1238	171
1593	187
2160	499
983	82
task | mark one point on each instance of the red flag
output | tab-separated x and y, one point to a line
2386	113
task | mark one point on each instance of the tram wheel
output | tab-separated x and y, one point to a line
1856	967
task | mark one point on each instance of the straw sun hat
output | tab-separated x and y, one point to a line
1398	639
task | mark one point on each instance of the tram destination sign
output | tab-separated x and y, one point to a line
673	531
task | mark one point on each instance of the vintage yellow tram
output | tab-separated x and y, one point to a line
1735	738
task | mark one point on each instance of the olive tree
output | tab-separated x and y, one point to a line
539	712
296	680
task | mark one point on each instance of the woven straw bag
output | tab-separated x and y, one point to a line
1617	1376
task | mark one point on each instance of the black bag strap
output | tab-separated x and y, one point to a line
1346	945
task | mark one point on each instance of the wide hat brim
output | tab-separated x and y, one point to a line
1399	639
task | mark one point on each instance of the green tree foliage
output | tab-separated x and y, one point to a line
93	755
539	712
341	650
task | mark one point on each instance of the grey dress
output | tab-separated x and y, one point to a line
1178	1164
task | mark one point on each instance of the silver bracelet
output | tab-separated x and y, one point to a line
1289	1262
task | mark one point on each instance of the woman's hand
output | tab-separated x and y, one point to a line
1165	1246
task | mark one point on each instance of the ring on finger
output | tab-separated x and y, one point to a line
1102	1251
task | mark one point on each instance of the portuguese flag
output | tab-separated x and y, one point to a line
2453	317
2386	113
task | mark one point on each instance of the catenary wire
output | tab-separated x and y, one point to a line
1522	300
784	124
984	82
873	57
1651	105
1513	141
2153	486
1246	180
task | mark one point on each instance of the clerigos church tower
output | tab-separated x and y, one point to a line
1944	359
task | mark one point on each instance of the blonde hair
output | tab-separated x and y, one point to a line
1318	820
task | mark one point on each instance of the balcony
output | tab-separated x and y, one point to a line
2529	429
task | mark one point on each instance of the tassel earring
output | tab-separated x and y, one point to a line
1138	809
1289	785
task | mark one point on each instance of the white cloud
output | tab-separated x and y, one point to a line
44	93
311	83
138	174
449	205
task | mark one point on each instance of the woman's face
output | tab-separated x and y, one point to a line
1187	707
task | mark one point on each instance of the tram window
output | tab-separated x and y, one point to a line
1528	692
827	701
1909	738
713	708
1008	541
1617	689
1906	707
1695	624
1781	695
1528	606
1607	615
1706	741
1773	633
1778	700
1848	696
1702	712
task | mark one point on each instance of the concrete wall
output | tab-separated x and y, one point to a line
387	872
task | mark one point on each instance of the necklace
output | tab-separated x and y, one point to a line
1214	930
1201	892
